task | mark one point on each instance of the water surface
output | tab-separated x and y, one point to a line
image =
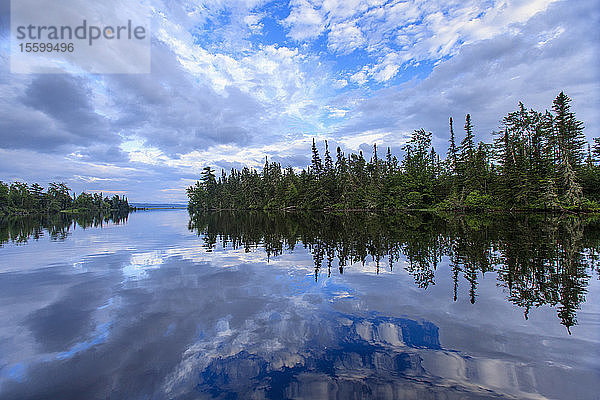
256	305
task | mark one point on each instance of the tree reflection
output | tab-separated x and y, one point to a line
20	229
539	259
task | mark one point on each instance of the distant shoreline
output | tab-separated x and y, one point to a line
147	208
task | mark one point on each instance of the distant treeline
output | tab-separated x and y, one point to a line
19	198
538	161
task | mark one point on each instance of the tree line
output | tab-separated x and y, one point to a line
538	160
20	198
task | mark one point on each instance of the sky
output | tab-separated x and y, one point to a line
234	81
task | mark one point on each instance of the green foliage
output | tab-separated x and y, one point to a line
596	150
568	132
536	162
414	200
21	198
475	199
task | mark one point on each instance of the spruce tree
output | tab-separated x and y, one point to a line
340	163
467	146
467	158
596	149
573	192
568	131
329	183
375	163
328	160
452	151
316	164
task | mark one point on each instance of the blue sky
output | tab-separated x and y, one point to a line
235	81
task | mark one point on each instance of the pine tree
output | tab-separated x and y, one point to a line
467	146
208	177
37	193
452	155
550	195
573	191
316	164
596	150
265	172
375	164
568	131
328	160
467	158
329	183
340	163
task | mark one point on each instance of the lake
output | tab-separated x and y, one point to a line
240	305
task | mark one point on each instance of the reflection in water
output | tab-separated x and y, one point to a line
345	357
539	259
58	225
303	306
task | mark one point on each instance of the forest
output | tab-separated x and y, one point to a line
537	161
20	198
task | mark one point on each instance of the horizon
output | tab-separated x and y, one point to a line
231	84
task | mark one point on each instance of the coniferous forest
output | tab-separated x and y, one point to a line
537	161
19	198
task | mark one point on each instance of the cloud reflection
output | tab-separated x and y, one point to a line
164	318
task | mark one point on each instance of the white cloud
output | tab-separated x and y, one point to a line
336	112
339	83
547	36
360	77
345	37
385	71
409	31
253	22
305	20
488	78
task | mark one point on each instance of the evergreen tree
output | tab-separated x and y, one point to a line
573	191
22	198
467	146
328	160
466	158
208	177
568	131
596	149
329	183
316	164
536	163
388	160
452	155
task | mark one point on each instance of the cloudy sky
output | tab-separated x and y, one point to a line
235	81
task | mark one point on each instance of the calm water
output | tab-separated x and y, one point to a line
310	306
